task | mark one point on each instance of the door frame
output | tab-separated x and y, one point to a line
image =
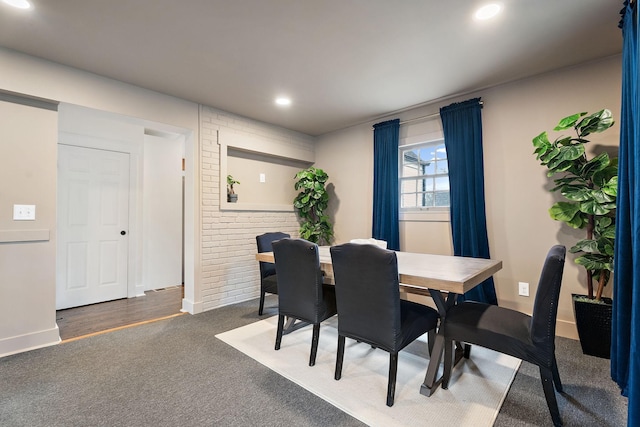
75	133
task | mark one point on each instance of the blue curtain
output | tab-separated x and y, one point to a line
625	350
385	183
462	126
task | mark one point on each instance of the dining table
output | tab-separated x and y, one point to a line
442	277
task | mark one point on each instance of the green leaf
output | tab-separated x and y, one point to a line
566	212
603	222
592	207
541	140
549	155
595	123
595	262
577	193
585	245
600	178
605	246
568	153
568	122
563	141
611	187
594	165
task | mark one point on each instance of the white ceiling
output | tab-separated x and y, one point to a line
341	61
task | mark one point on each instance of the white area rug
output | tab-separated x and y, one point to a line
476	391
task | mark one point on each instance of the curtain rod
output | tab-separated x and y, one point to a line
427	117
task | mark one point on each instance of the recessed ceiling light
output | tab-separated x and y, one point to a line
20	4
282	101
488	11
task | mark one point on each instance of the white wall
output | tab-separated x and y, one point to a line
516	186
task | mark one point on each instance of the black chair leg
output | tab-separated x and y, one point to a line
449	360
556	375
393	372
339	357
546	375
314	344
279	332
261	308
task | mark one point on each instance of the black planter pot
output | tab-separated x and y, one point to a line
594	326
232	198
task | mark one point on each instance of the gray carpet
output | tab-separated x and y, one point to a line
175	372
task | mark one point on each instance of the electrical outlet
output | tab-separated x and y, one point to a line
263	177
24	212
523	289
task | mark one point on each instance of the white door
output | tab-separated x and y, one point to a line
93	210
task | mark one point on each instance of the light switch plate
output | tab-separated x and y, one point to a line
24	212
523	289
263	177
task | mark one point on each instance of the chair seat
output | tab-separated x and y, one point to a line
415	319
270	284
504	330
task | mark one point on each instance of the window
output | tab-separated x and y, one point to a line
424	176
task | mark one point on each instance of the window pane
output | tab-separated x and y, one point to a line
427	184
409	186
410	159
442	183
442	199
409	201
427	199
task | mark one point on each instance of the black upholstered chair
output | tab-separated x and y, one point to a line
370	309
530	338
301	293
268	278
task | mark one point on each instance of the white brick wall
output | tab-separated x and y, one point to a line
229	270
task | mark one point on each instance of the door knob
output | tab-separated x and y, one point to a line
122	233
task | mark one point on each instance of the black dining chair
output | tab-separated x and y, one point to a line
530	338
301	293
370	309
268	277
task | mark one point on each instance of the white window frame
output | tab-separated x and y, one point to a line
425	213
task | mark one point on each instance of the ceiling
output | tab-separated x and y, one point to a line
342	62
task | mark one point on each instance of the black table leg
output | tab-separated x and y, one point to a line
431	383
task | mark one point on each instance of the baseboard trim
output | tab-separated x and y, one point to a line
28	342
191	307
566	329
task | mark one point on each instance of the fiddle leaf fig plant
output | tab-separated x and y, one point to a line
310	203
589	186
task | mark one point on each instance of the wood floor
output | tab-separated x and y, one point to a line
96	318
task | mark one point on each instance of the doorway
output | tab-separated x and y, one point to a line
92	129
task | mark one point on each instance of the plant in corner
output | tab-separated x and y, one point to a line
231	194
589	186
310	203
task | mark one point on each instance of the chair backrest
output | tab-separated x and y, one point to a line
545	306
264	242
367	294
299	278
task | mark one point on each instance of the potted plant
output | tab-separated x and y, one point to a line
311	203
231	194
589	186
